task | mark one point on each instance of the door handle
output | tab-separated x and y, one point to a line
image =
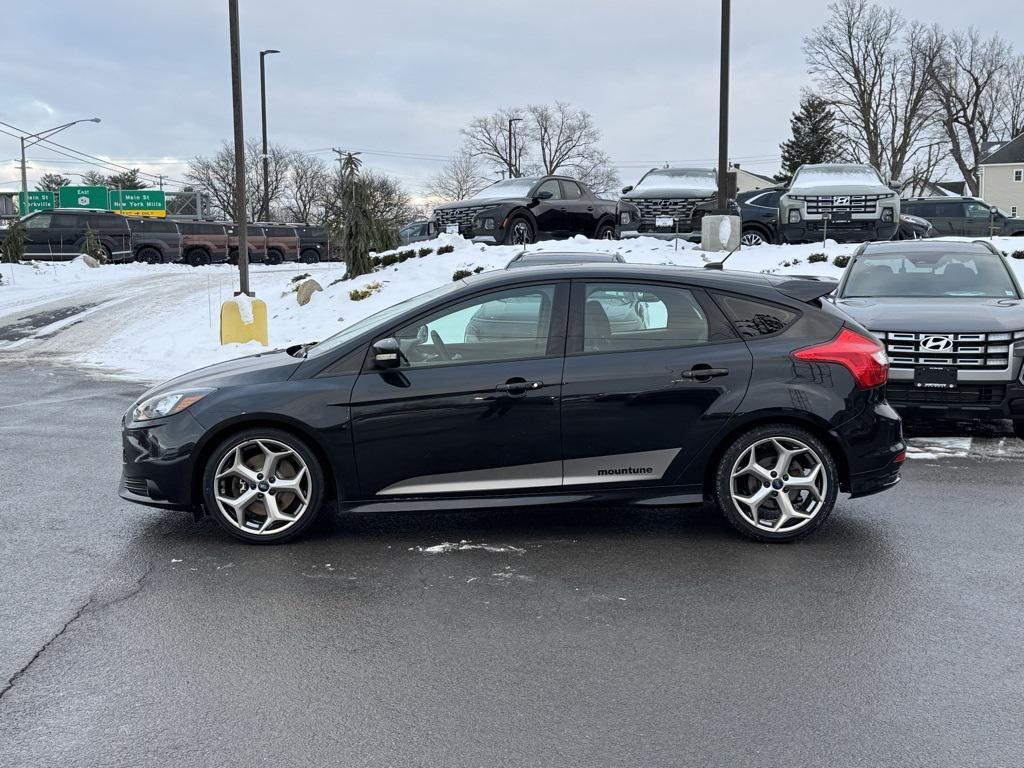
700	374
519	386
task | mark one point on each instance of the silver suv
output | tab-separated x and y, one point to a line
951	317
847	203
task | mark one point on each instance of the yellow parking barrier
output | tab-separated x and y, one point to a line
243	319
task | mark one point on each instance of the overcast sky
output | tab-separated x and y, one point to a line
400	78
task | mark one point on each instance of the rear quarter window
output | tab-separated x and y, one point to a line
753	318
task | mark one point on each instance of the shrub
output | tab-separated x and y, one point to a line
300	278
795	262
406	255
787	263
445	249
478	270
358	294
425	252
841	261
460	274
389	259
1018	254
817	258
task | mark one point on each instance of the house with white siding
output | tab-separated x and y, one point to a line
1002	177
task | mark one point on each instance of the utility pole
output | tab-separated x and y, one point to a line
236	104
511	145
265	208
38	137
723	115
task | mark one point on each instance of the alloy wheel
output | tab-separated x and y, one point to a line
778	484
751	239
521	234
262	486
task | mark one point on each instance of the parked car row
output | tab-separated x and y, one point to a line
843	202
60	235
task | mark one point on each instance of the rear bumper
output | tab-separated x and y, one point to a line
873	448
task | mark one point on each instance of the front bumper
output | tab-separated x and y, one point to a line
856	231
158	462
979	401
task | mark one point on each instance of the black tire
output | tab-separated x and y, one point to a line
605	231
148	255
730	508
315	497
310	256
752	237
1018	428
197	257
274	257
520	231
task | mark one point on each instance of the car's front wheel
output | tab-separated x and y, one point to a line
776	483
520	232
264	486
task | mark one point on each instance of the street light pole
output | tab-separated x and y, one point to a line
236	104
265	211
723	115
42	136
511	144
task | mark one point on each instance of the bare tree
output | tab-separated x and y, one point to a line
877	81
1011	96
967	75
490	138
463	177
308	182
216	176
566	141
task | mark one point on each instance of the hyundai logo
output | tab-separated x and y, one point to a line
936	343
840	201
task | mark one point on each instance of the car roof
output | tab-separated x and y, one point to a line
942	198
929	246
582	256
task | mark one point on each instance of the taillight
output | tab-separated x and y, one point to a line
865	358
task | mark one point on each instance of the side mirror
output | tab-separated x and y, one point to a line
627	189
387	354
545	195
994	210
432	228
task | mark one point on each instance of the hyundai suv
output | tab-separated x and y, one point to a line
951	317
532	387
844	202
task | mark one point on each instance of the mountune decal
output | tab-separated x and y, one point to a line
627	471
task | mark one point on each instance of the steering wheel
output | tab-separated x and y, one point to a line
442	350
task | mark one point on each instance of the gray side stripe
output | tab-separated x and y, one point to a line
618	468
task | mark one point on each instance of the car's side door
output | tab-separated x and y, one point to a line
977	219
653	371
580	218
37	235
473	407
948	218
67	235
549	209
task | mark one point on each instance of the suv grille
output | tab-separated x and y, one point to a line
680	208
968	351
461	216
904	394
821	204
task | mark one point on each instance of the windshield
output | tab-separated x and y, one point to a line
680	178
930	275
379	318
506	188
836	176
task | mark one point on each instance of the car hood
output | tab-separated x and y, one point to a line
488	203
654	193
274	365
936	315
823	190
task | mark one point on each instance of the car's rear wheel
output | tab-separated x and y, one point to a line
309	256
274	256
197	257
776	483
148	255
520	232
753	237
263	486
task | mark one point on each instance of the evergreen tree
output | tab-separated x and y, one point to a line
94	179
51	182
92	246
815	137
360	230
126	180
13	246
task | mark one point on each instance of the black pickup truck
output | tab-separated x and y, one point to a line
524	210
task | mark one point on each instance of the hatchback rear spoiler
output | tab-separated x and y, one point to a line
806	288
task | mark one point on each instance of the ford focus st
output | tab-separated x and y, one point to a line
583	384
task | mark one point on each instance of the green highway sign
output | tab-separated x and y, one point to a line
37	201
139	202
83	197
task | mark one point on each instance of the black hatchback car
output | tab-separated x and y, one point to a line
744	389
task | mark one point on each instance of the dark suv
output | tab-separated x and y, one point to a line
59	234
203	242
584	384
951	316
964	216
155	241
314	243
663	203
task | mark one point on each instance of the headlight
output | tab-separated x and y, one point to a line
158	406
887	215
484	224
794	215
624	217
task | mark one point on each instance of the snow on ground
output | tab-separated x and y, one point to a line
162	320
